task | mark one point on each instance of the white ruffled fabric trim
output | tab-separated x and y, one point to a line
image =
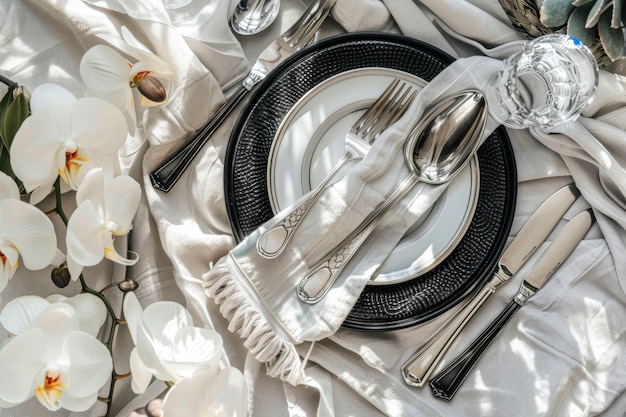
280	356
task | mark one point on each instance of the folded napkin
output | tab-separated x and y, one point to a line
258	295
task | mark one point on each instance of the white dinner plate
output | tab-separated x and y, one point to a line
310	141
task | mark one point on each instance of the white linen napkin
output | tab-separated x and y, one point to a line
258	295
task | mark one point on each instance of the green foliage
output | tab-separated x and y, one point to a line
14	109
599	24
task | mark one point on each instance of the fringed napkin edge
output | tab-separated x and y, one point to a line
279	355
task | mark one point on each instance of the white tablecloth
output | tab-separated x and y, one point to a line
563	354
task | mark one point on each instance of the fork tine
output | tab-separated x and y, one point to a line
383	108
390	112
374	108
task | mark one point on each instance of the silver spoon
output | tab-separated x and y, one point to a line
253	16
435	151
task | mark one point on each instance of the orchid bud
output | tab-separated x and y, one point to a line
152	89
128	285
61	276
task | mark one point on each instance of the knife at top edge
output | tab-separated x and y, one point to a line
165	176
447	383
420	366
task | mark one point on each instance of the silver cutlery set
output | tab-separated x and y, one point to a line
438	146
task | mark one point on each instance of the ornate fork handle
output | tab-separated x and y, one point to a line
321	277
274	239
387	109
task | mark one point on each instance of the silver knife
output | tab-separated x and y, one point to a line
421	365
296	37
446	384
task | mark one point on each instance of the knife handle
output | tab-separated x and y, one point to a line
422	364
447	382
165	176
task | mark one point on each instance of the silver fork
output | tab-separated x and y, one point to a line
387	109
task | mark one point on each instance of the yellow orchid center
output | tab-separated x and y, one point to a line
50	390
73	161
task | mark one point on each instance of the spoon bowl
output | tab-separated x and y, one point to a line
439	147
435	151
253	16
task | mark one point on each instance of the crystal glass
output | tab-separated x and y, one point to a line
547	83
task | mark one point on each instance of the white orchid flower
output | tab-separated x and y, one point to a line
208	392
167	345
111	77
24	231
105	208
62	136
54	354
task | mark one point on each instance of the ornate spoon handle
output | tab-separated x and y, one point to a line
320	278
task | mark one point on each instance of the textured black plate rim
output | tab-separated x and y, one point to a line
486	264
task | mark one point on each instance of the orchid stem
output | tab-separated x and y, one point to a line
9	83
59	203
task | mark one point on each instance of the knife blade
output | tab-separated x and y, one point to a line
165	176
420	366
447	383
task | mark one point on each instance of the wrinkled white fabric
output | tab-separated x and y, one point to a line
562	354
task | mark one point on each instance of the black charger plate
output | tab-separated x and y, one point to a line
380	307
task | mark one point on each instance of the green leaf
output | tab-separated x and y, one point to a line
595	13
554	13
14	116
576	26
578	3
4	105
612	39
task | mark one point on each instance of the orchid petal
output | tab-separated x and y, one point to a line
140	373
8	188
103	69
163	319
111	253
50	96
157	65
228	393
98	125
146	346
35	149
78	404
41	192
92	188
5	274
84	244
92	312
193	347
87	362
148	349
132	313
30	231
122	196
57	320
187	396
74	267
18	315
21	358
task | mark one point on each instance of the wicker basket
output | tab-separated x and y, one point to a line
524	16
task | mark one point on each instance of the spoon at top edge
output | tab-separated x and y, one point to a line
253	16
435	151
